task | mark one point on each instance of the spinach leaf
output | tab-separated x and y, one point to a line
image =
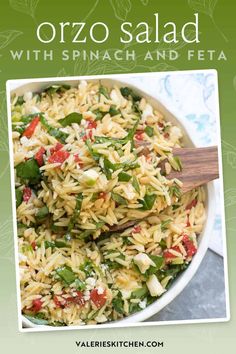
74	217
71	118
140	293
148	201
158	260
79	285
124	177
113	111
135	184
95	155
129	93
42	213
123	141
66	274
55	244
164	224
99	114
28	170
118	199
103	91
19	197
175	190
87	267
20	101
50	90
58	134
118	303
149	131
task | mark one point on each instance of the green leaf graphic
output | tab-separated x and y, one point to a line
27	7
6	37
121	8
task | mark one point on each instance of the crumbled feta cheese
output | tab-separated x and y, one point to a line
154	286
143	262
143	304
86	295
148	111
126	294
100	290
101	319
90	281
27	96
89	177
117	98
83	84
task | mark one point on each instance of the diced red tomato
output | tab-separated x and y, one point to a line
29	131
139	135
166	135
168	255
99	300
136	229
27	194
192	204
189	246
34	245
58	147
160	125
59	156
37	305
39	156
78	160
57	302
78	299
103	195
92	124
188	223
88	135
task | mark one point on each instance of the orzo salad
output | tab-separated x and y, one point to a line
102	230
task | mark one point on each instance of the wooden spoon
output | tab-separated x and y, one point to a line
199	166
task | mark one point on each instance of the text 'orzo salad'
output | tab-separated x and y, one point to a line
102	231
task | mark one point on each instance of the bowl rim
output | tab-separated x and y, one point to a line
15	86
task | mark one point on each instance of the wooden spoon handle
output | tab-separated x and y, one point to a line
200	166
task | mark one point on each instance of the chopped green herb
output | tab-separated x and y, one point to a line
118	303
87	267
135	184
127	92
74	217
175	190
103	91
57	244
99	114
28	170
42	212
164	224
19	197
149	131
66	274
20	101
71	118
57	133
140	293
113	111
147	202
118	199
79	285
95	155
158	260
50	90
124	177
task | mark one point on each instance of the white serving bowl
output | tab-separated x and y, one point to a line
36	85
